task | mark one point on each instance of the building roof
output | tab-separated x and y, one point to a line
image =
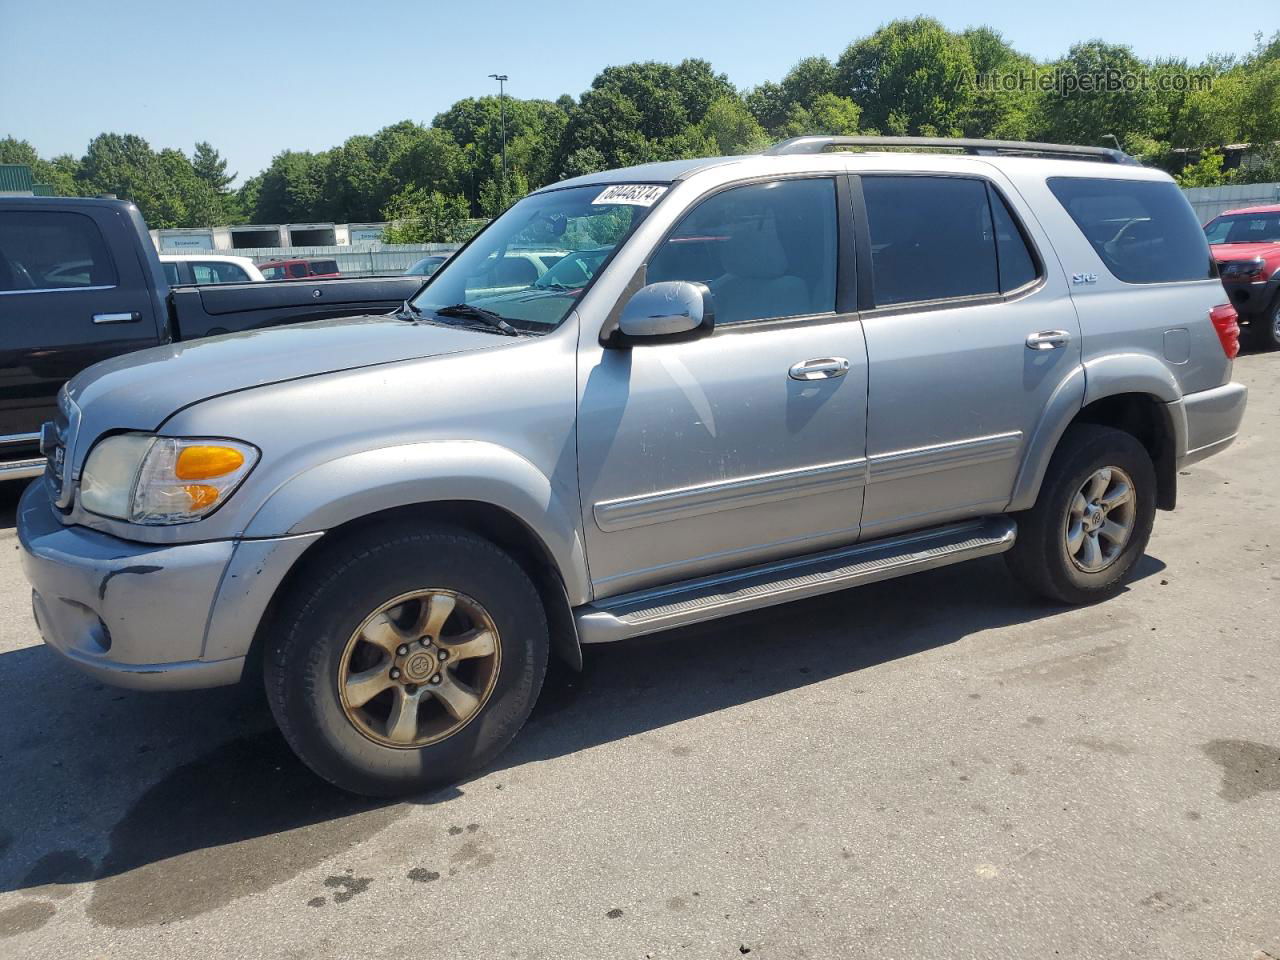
15	178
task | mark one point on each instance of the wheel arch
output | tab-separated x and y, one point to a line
497	525
1143	414
476	486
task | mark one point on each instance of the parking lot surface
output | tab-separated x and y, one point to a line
930	767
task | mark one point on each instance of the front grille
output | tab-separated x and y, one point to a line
57	439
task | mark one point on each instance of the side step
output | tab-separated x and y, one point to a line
708	598
21	469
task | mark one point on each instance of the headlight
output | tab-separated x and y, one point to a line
162	480
1243	269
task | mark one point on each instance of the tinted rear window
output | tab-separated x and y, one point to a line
1143	231
44	250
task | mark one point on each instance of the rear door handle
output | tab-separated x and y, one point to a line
1048	340
820	368
133	317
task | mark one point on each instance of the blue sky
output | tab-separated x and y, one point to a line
257	78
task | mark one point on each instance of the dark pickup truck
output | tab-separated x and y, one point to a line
80	281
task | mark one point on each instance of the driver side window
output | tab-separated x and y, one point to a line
766	250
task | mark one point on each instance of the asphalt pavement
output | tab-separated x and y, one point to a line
933	767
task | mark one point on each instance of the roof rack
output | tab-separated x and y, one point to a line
989	148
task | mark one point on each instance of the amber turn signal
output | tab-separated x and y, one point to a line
202	495
204	462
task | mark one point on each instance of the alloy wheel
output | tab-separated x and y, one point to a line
1100	520
419	668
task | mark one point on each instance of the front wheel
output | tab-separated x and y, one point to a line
405	660
1268	334
1092	520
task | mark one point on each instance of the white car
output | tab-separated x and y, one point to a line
202	268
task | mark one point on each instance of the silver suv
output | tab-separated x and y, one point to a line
765	377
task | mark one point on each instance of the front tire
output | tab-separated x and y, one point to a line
1092	520
403	660
1268	333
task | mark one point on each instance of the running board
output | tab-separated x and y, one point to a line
708	598
21	469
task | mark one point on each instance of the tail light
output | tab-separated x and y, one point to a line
1225	322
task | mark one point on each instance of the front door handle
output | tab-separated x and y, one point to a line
820	368
1048	340
133	317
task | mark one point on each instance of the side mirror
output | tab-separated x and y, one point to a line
671	310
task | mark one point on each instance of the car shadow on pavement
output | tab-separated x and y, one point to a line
10	494
174	804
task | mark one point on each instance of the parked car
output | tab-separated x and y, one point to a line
1246	244
80	281
299	269
894	362
427	266
203	268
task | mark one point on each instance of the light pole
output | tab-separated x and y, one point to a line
502	78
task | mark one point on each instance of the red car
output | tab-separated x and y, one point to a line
1246	244
300	269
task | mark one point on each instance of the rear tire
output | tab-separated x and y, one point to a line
1092	520
404	659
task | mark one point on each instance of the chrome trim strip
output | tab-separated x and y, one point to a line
13	439
900	464
22	469
10	293
694	501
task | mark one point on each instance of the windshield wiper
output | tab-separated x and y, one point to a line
467	311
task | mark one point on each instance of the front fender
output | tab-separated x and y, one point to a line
348	488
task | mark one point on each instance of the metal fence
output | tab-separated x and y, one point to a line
365	260
1208	202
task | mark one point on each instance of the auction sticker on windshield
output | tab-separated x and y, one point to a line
634	194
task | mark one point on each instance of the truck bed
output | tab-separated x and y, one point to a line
230	307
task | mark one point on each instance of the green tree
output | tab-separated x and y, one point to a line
496	195
1205	172
830	115
909	77
729	128
418	215
290	189
60	172
210	167
1080	112
995	111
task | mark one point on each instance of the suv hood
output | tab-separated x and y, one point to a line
139	391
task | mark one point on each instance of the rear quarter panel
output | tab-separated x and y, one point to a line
1146	338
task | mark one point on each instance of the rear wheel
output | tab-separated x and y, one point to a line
1092	520
406	660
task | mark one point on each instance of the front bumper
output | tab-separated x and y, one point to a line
1252	299
1212	419
171	617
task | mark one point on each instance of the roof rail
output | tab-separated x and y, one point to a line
1062	151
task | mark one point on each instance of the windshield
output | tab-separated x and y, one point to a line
1245	228
533	263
